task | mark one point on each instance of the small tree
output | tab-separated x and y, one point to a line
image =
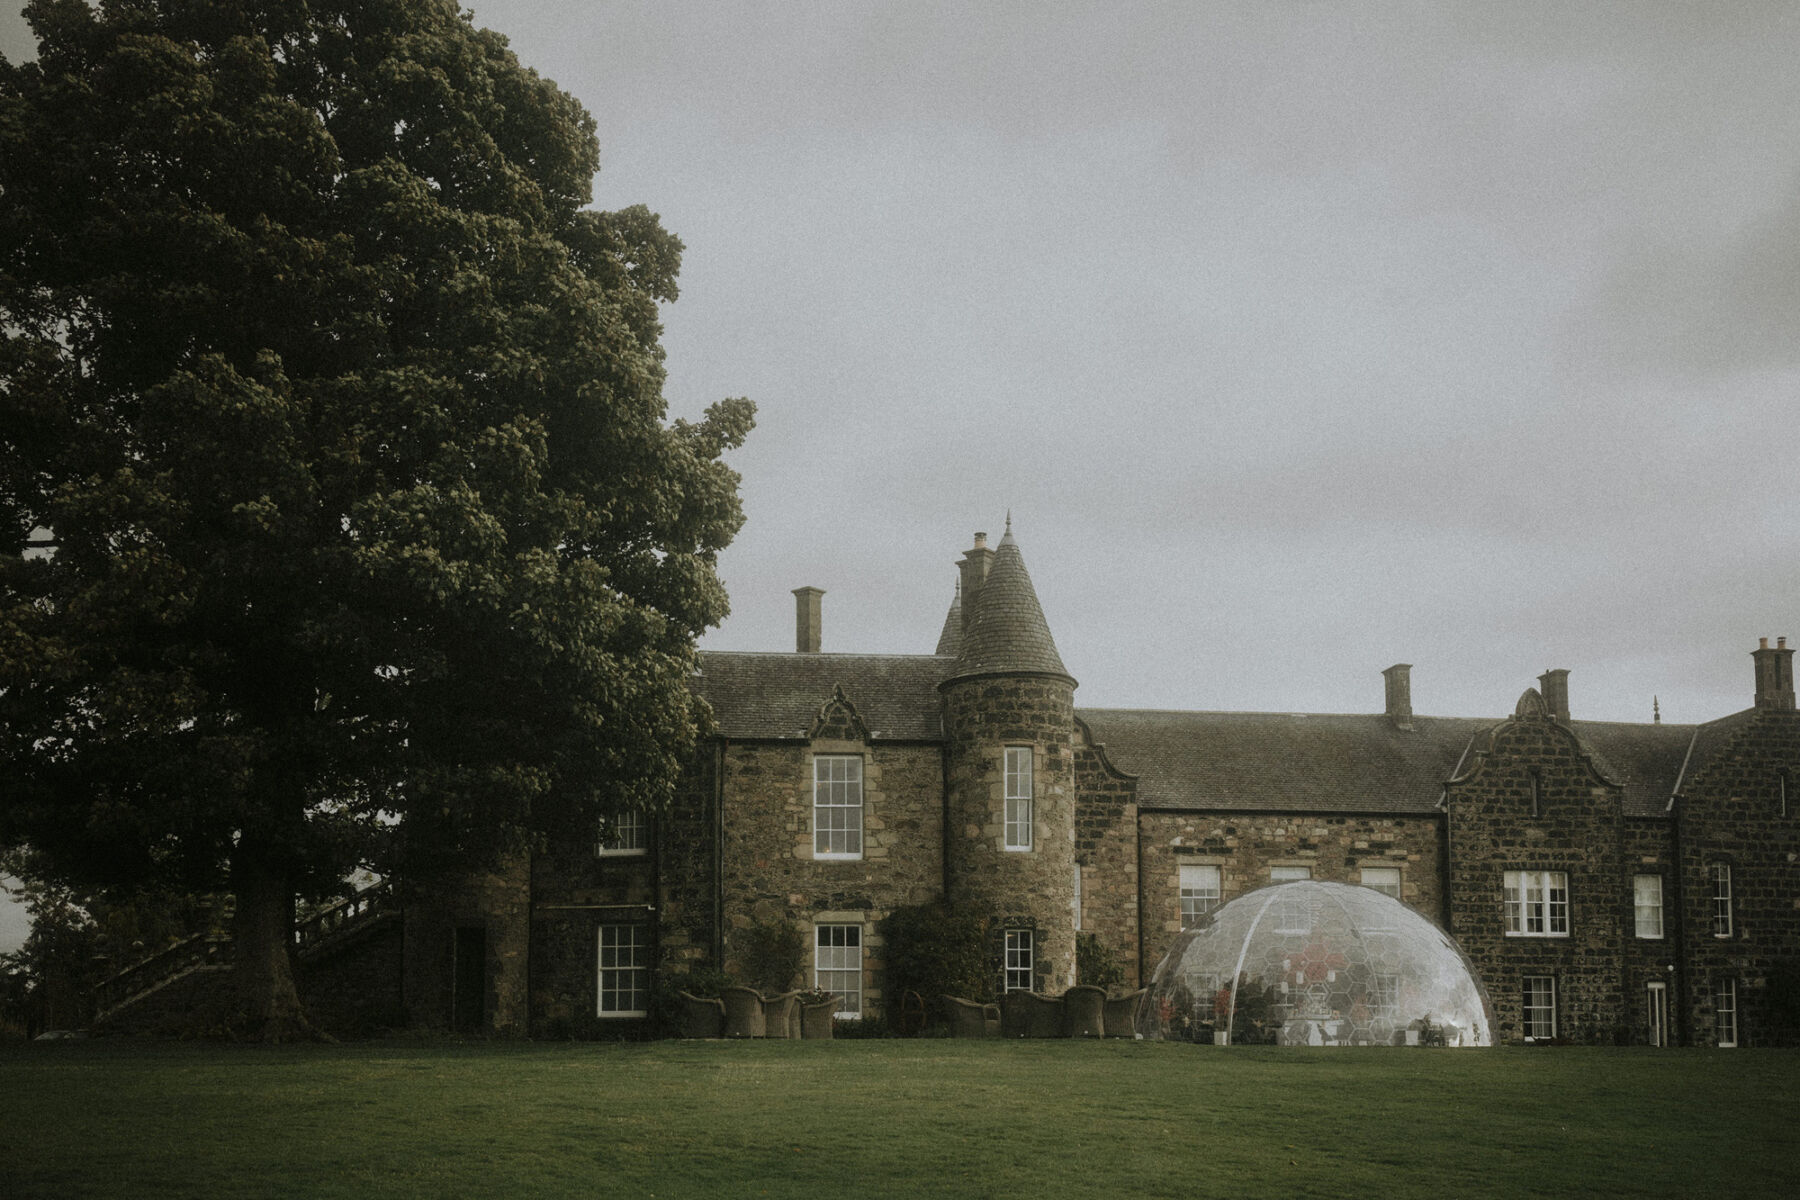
772	955
1095	965
934	951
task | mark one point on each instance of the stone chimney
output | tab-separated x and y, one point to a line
1774	674
1399	695
1554	687
975	563
806	619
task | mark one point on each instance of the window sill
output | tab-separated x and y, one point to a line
1511	934
638	1014
604	853
817	857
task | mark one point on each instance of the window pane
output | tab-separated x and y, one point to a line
624	970
1018	798
1721	892
837	806
1540	1006
1646	898
1385	880
837	965
1199	893
1016	971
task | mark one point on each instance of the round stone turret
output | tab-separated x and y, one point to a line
1009	718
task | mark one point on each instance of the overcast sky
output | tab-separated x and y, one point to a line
1299	338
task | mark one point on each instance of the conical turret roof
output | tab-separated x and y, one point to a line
950	639
1007	633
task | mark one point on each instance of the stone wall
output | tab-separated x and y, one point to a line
1247	846
1577	830
1032	889
496	902
576	890
351	985
1106	849
1730	814
770	874
1649	850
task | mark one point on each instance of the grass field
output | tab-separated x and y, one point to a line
891	1118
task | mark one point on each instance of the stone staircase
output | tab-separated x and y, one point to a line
168	987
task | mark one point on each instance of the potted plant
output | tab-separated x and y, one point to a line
818	1010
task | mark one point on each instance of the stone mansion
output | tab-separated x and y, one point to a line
1609	881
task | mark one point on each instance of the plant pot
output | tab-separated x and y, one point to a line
702	1016
818	1020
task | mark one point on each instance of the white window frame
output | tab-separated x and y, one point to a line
1647	905
1537	903
628	836
1017	968
1720	874
1725	1024
1019	797
622	979
1200	891
838	965
1656	1003
837	806
1384	887
1538	1028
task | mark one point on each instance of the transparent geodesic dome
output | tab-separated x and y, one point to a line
1311	963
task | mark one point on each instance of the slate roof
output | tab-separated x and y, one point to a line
950	638
1645	758
1284	762
1007	633
1709	740
1280	762
762	695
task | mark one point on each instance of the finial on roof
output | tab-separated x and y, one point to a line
1006	539
1655	711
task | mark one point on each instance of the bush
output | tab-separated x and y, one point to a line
861	1027
1095	964
935	952
665	996
773	955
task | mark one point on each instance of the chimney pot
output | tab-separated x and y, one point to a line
1774	674
974	569
807	619
1399	695
1553	685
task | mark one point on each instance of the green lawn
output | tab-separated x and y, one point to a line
891	1118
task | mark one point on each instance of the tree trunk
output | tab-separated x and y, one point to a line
268	1005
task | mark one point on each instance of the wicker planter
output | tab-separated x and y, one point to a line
1121	1014
781	1015
819	1019
1084	1011
743	1012
702	1016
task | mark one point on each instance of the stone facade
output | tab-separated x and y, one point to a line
1576	863
1014	889
1247	848
1742	815
1533	810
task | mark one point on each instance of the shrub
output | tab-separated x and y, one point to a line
773	955
1095	964
665	997
934	952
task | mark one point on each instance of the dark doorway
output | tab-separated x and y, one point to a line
468	997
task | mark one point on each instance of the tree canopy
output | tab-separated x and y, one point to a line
341	520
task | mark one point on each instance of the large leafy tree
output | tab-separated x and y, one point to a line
340	518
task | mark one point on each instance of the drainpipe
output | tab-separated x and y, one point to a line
718	857
1679	1017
